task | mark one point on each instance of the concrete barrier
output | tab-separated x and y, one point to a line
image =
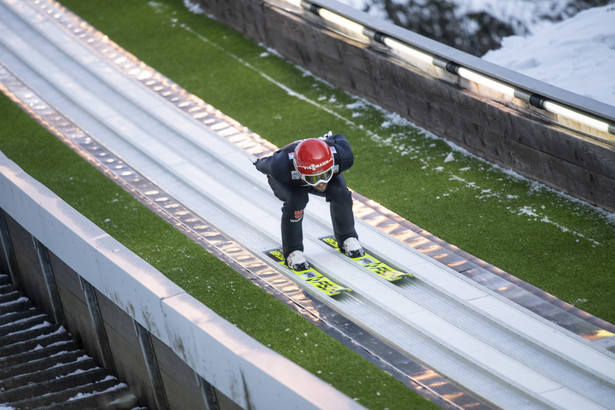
515	132
172	350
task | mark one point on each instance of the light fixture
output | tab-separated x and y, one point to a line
296	3
486	81
405	51
577	116
347	24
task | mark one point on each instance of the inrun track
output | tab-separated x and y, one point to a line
137	123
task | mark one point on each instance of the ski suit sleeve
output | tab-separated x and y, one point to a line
275	165
264	165
344	153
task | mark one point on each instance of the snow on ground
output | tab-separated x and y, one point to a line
523	15
577	54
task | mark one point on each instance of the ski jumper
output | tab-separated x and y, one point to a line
288	187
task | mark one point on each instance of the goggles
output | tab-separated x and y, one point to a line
323	177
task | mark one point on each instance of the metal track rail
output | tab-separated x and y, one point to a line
498	350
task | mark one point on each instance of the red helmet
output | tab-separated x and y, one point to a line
314	161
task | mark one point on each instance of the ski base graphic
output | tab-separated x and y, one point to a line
312	276
371	263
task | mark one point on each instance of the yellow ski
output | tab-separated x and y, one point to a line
312	276
371	262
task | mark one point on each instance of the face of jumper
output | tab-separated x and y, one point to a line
322	187
313	160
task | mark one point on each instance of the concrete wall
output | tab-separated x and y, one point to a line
180	384
514	134
179	380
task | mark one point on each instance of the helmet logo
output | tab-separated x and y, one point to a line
314	167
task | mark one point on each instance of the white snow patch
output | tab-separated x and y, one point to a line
13	302
35	327
533	213
526	210
78	371
193	8
577	54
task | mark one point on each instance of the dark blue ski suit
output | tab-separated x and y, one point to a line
288	187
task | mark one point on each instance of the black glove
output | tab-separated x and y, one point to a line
256	163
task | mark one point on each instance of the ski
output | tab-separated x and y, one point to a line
312	276
371	263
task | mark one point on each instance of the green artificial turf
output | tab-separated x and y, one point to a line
562	246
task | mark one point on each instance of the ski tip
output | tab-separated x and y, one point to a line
311	275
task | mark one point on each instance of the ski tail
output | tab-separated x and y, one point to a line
371	262
311	275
